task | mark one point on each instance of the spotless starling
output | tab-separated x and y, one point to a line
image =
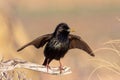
58	43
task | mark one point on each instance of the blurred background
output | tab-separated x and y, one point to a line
96	21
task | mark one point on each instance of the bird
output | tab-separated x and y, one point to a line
58	43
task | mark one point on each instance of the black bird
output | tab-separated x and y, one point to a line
58	43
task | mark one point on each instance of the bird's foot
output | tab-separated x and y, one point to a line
48	67
61	68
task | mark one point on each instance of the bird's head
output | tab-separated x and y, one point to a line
62	28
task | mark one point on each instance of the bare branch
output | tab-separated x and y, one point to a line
18	63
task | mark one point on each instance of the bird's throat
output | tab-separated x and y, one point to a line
62	37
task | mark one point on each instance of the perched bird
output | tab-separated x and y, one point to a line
58	43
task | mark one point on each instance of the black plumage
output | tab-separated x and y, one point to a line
58	43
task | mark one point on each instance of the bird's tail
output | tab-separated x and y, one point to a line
23	47
47	61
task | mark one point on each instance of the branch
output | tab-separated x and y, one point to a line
18	63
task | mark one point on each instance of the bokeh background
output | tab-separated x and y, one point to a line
96	21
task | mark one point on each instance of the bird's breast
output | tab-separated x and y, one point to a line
56	49
58	45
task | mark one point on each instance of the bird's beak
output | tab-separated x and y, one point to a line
72	30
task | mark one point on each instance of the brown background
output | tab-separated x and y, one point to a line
96	21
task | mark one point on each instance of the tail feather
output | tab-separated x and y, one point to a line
47	61
23	47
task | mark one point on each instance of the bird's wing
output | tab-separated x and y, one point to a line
38	42
77	42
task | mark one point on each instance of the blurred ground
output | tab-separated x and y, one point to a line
96	21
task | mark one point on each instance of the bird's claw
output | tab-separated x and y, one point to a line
61	68
48	67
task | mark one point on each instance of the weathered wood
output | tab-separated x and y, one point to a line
18	63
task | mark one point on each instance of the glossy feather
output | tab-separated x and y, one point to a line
58	43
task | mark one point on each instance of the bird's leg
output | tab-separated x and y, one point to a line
60	67
47	65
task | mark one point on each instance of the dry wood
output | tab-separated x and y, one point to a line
18	63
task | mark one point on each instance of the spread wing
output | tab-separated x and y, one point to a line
38	42
77	42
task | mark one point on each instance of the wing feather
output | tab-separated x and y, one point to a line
77	42
38	42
